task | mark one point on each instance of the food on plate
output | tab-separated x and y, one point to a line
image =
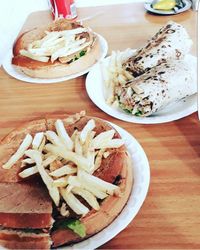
164	4
144	81
157	88
59	49
168	5
65	179
171	42
25	216
114	74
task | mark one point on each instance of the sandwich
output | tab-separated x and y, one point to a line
64	180
147	80
158	87
59	49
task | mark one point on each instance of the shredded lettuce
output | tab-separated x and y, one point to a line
75	225
138	113
128	111
82	53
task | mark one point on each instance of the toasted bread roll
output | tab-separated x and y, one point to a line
30	206
73	63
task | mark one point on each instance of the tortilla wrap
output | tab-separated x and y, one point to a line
159	87
170	42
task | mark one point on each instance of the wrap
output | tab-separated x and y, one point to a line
170	42
158	87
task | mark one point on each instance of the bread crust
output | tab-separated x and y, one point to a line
16	239
56	69
25	205
95	221
10	143
117	163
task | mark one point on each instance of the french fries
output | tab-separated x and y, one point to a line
37	140
113	73
61	182
56	45
73	202
64	170
91	180
19	153
79	160
28	172
87	129
87	196
104	136
63	135
63	210
98	159
53	138
34	57
66	164
53	191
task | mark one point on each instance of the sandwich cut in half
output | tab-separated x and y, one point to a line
153	77
59	49
63	179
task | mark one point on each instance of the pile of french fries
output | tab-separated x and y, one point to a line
114	75
56	44
66	164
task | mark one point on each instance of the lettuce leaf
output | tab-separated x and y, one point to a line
75	225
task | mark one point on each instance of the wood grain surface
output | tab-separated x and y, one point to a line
169	217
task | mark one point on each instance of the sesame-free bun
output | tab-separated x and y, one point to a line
115	168
38	69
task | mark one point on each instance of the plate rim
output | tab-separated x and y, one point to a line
92	242
132	119
25	78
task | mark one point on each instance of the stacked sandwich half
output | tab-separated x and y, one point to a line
61	181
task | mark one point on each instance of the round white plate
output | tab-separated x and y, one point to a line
141	173
14	72
187	6
175	111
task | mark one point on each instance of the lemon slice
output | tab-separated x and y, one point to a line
164	4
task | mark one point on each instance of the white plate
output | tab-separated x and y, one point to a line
14	72
187	6
141	173
95	90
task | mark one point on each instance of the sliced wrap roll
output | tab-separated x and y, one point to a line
170	42
158	87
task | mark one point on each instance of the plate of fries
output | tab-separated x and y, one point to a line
16	73
109	73
45	149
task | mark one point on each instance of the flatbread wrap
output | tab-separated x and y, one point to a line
158	87
170	42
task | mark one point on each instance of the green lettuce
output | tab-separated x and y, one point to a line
75	225
138	113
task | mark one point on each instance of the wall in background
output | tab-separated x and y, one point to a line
14	13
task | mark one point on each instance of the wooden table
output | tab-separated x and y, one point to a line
170	215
